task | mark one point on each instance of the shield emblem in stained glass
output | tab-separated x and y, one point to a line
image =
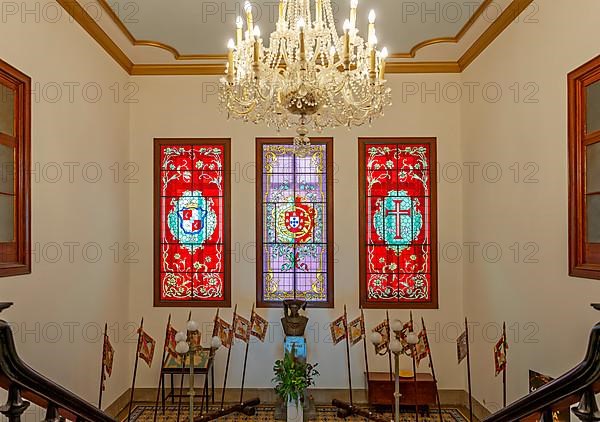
397	221
298	222
192	220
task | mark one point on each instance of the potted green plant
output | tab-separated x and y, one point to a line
292	378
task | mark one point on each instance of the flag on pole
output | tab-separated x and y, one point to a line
147	345
241	328
195	338
422	347
356	330
403	334
500	354
108	356
171	343
338	330
462	347
224	332
384	330
259	327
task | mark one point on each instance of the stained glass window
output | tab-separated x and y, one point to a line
398	235
294	217
192	222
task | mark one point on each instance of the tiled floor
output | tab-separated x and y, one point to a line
145	413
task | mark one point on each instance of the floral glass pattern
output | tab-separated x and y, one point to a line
398	247
193	266
295	205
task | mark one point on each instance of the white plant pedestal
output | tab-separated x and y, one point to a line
295	412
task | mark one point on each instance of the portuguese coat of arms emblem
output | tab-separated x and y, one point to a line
298	222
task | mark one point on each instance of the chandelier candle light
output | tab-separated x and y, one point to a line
308	76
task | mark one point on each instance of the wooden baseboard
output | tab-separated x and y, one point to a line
458	398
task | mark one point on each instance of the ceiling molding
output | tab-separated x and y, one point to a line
219	69
422	67
495	29
177	69
78	13
413	51
178	56
149	43
512	11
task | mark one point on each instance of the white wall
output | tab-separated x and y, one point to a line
187	107
471	133
507	212
67	298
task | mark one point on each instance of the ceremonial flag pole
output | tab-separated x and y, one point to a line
348	354
469	373
362	315
387	317
246	354
181	387
102	369
414	363
437	391
183	374
209	367
135	366
228	357
160	377
504	346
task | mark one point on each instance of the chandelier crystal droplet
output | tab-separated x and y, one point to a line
309	77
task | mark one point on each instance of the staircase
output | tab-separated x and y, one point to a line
26	386
579	385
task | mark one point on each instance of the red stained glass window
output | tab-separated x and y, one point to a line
192	219
398	230
294	223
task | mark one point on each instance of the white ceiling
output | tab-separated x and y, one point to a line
203	27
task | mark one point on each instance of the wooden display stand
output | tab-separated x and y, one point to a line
381	390
208	391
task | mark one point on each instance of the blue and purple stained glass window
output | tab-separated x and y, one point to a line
398	231
295	247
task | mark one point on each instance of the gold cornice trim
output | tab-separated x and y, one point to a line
413	51
177	69
80	15
422	67
176	53
219	69
494	30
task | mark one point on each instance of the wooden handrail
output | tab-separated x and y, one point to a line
39	389
568	389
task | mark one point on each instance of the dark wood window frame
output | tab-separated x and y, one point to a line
362	143
226	302
15	257
584	257
260	302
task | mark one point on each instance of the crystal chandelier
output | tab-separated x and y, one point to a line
308	76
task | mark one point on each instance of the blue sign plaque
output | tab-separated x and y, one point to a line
298	344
